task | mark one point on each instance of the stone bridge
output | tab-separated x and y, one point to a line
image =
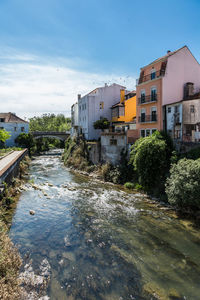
51	134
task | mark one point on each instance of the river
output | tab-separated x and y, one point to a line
101	242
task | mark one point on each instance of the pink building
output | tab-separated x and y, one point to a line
161	83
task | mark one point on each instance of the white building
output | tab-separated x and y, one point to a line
14	125
74	119
94	106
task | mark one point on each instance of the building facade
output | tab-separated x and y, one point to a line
162	83
74	119
191	120
174	122
14	125
112	145
94	106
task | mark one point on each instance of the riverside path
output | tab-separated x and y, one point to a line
9	162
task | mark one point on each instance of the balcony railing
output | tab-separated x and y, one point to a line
155	75
147	99
147	118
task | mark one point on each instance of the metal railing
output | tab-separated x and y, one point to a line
147	99
147	118
151	76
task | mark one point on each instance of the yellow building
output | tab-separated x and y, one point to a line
125	110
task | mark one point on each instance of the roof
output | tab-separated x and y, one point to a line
114	84
11	118
117	104
165	56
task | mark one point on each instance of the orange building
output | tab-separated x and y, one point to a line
125	110
149	98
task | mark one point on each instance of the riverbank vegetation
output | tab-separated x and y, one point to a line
10	260
153	166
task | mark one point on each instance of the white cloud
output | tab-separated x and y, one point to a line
30	86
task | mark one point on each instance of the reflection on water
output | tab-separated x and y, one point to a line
103	243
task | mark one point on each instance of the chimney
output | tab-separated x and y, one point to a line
122	95
188	90
168	51
79	96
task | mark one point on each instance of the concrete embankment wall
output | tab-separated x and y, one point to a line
12	168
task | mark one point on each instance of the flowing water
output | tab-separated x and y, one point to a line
101	242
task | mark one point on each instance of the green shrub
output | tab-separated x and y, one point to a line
151	158
183	185
129	185
101	124
193	153
138	187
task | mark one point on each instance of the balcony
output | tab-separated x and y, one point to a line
147	118
155	75
147	99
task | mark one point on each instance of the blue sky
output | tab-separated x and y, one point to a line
43	42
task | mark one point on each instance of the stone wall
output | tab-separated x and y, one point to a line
112	145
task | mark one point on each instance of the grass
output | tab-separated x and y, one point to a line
10	263
5	151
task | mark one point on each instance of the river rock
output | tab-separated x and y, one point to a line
151	289
32	212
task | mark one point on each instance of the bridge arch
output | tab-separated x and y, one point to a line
63	136
50	136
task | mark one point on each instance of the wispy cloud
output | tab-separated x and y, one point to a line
31	85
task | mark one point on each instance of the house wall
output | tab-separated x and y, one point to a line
132	136
188	116
158	104
182	67
14	129
74	120
112	153
171	116
130	109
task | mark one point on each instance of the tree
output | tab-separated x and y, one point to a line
25	140
4	135
50	122
151	159
183	185
101	124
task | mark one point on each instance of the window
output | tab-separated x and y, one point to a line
2	120
169	109
148	132
80	107
153	94
22	129
176	109
83	106
142	95
192	108
154	114
15	128
153	73
142	132
113	142
101	105
143	114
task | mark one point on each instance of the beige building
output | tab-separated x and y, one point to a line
191	119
